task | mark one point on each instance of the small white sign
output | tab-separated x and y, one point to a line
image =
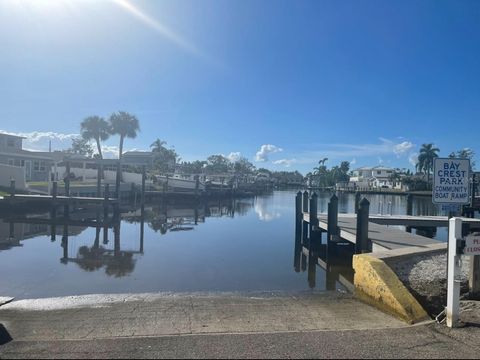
451	181
472	244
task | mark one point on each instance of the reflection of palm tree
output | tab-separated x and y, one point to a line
90	259
120	265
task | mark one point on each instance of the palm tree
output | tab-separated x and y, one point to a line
95	128
125	125
425	159
157	145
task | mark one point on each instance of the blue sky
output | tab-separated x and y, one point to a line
363	81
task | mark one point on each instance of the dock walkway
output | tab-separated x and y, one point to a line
385	237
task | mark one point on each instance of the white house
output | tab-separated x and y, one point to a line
374	177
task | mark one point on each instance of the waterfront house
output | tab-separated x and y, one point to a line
138	158
373	177
36	165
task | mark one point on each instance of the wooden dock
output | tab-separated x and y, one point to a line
376	232
381	236
60	200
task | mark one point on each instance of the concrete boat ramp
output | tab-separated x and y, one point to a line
217	325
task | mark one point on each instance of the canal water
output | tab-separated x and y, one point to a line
219	245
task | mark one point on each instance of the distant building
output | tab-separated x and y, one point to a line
37	165
138	158
373	177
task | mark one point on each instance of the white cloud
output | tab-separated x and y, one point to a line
353	161
413	159
384	148
234	156
403	148
265	150
285	162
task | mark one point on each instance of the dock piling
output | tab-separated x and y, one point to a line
67	178
12	187
474	278
143	185
99	180
305	201
363	244
118	177
332	220
358	196
313	212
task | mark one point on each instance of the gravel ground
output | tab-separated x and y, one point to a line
426	277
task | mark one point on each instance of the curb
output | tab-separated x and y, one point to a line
377	284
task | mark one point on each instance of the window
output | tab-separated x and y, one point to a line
42	165
23	163
389	171
17	162
379	172
36	165
11	142
10	162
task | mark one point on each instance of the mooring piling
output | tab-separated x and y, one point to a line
332	220
363	243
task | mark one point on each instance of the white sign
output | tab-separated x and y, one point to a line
472	244
451	181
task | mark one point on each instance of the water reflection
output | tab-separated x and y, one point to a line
265	210
162	218
217	245
311	252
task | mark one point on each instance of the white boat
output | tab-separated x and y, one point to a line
180	183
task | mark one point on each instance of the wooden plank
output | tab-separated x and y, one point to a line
58	198
383	237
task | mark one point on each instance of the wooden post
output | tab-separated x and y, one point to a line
298	232
11	231
99	180
474	278
67	179
358	195
105	201
363	243
53	213
332	220
65	242
12	187
305	201
409	204
118	177
313	213
132	192
409	210
312	268
298	212
143	185
142	227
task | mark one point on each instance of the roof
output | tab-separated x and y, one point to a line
26	153
137	153
378	167
11	135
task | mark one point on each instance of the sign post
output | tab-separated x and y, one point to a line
453	283
451	188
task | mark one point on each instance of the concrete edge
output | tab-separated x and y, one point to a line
377	284
391	256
